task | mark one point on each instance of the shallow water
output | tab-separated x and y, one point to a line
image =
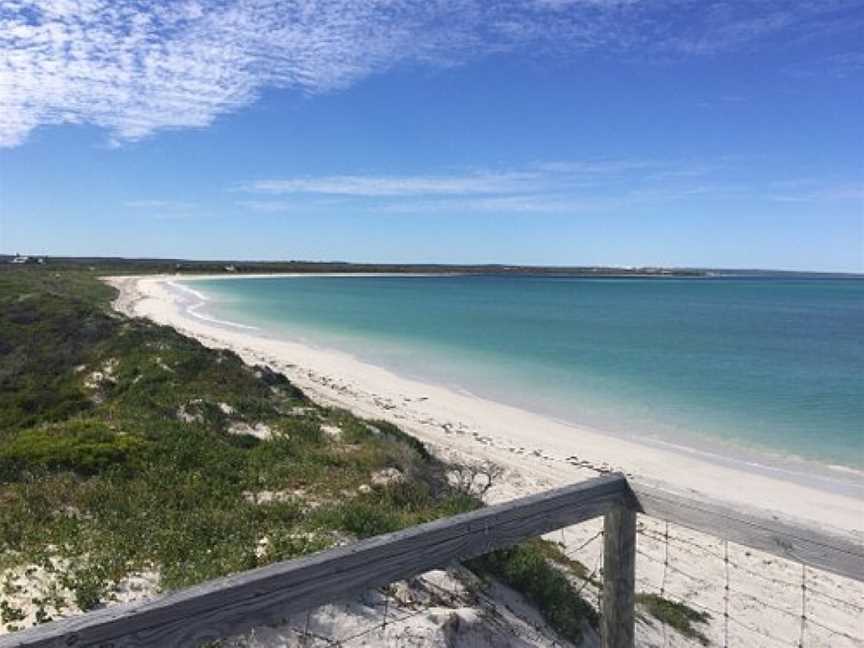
772	365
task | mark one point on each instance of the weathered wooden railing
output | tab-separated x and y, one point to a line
235	604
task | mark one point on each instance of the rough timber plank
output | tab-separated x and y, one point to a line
618	623
757	529
234	604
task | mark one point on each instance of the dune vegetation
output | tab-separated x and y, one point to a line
129	449
134	460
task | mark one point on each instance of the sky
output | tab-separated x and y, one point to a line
550	132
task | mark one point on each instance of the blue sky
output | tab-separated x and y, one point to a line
624	132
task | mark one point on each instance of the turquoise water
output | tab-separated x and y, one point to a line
768	365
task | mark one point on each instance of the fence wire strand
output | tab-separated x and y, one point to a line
725	592
803	605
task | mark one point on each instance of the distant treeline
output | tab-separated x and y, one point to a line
122	265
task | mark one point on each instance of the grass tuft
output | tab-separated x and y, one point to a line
679	616
527	569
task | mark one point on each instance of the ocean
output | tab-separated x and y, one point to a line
773	367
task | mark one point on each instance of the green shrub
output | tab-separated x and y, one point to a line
301	432
677	615
84	447
365	518
393	433
88	588
526	569
9	614
552	551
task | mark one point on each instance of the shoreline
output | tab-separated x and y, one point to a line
550	454
821	472
822	475
536	454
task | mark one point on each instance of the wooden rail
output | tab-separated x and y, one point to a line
235	604
794	540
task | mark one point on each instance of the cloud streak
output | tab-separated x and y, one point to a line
555	187
814	191
372	186
134	67
157	204
535	177
549	176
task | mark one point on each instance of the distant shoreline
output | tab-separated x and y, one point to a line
189	268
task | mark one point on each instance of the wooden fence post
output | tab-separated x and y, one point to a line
619	578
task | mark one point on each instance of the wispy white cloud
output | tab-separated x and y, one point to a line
531	180
846	65
414	205
137	66
158	204
566	202
367	185
811	190
518	204
607	167
267	206
542	187
556	187
551	175
162	210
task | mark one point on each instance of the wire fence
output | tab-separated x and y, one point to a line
692	590
751	598
443	607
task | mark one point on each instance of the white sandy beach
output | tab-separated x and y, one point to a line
538	453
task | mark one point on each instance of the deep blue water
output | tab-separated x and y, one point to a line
771	365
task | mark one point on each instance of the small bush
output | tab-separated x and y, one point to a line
552	551
677	615
83	447
300	431
366	518
392	432
10	614
88	588
526	569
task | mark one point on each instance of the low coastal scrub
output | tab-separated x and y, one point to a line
127	448
134	457
130	453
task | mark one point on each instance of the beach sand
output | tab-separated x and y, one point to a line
537	453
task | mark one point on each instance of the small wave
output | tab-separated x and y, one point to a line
202	301
798	474
179	286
